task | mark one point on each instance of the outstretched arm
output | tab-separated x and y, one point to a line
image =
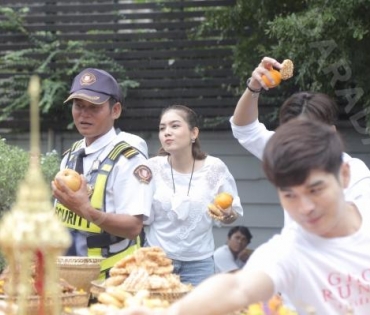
246	110
218	295
225	294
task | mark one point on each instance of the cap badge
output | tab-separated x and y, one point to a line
87	79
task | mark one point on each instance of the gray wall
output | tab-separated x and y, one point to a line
262	213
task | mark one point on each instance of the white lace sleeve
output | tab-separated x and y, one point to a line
224	182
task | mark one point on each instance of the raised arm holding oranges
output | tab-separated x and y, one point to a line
253	134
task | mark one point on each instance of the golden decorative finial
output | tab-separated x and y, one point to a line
34	93
30	233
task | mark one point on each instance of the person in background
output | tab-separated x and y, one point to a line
322	266
234	254
106	219
186	181
253	135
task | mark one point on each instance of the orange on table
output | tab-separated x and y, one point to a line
275	302
224	200
274	306
255	309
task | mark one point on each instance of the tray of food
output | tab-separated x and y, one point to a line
148	269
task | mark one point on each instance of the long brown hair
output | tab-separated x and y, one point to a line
191	119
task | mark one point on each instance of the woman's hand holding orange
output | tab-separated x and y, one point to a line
222	206
215	210
220	213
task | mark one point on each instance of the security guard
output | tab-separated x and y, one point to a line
105	216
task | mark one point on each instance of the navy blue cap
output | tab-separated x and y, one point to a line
95	86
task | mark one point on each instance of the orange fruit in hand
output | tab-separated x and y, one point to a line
275	302
276	75
70	177
224	200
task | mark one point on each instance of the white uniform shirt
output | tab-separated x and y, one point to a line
125	194
254	138
329	274
225	260
184	230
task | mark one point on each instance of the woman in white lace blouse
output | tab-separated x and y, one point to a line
186	182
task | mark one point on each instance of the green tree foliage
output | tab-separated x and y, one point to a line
55	60
327	40
14	165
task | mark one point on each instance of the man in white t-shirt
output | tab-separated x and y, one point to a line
234	254
322	266
253	135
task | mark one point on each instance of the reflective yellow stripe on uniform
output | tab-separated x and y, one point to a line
71	220
74	221
97	198
108	263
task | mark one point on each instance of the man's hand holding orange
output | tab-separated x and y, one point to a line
69	177
270	73
71	189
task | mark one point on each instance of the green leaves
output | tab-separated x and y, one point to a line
56	61
14	163
327	41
